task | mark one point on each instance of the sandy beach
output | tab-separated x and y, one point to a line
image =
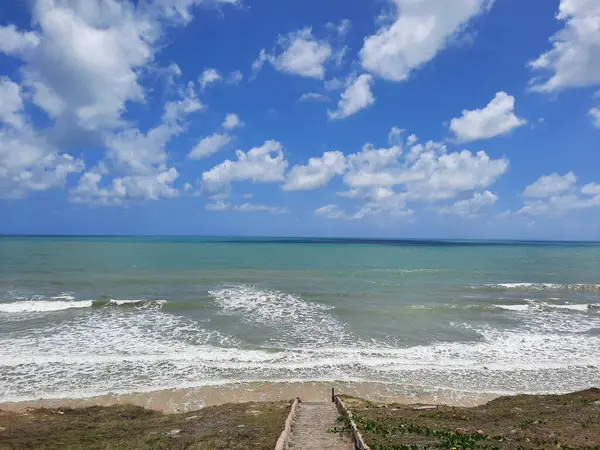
183	400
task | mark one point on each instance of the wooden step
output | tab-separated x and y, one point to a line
311	426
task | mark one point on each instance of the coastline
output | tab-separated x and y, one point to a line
190	399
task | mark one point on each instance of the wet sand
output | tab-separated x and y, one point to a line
182	400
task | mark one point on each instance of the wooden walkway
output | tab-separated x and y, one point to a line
309	430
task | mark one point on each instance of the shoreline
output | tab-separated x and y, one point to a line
190	399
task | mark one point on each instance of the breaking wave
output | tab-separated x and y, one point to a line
529	287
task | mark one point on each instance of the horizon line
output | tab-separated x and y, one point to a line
333	238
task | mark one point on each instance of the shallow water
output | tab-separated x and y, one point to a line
83	317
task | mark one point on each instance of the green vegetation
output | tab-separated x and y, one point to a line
557	422
232	427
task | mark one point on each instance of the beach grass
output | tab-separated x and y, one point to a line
557	422
233	426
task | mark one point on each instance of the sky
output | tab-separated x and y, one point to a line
371	118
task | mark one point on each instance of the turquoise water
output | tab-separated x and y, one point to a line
90	316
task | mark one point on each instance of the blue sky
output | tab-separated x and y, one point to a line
377	118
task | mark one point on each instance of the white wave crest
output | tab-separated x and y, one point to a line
295	318
519	308
138	303
42	306
534	306
541	287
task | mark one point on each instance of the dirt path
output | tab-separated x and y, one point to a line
309	431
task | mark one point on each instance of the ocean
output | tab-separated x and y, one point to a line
92	316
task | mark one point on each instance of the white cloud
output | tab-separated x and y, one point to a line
153	186
472	206
556	205
208	77
446	175
496	119
595	114
234	78
300	54
265	164
187	187
87	64
331	212
232	121
591	189
356	97
254	207
555	195
335	84
372	167
551	185
377	201
317	173
209	145
395	136
313	97
134	151
29	163
387	179
15	42
220	206
11	103
574	60
420	29
181	10
341	28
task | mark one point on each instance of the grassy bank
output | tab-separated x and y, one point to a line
235	426
558	422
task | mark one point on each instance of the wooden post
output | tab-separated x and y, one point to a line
332	395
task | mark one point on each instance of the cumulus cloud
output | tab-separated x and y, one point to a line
555	195
88	60
209	145
29	163
234	77
132	150
356	97
574	59
341	28
152	186
232	121
220	206
472	206
591	189
11	103
264	164
419	30
208	77
387	180
317	173
15	42
313	97
595	114
496	119
181	10
139	158
550	185
331	212
298	53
